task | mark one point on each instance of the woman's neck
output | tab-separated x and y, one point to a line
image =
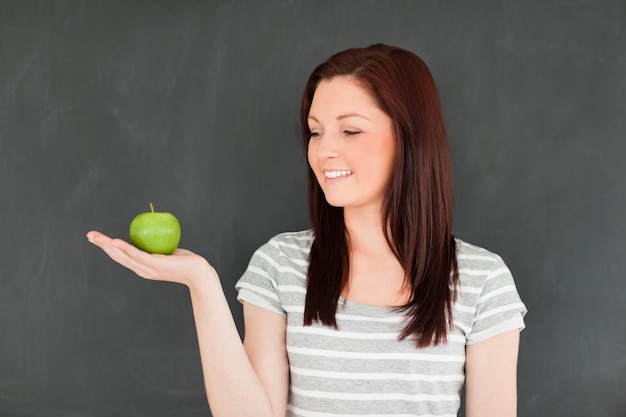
376	276
365	231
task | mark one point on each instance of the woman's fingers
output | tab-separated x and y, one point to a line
125	254
177	267
122	253
96	237
134	259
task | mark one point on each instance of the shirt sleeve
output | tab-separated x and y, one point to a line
258	284
499	308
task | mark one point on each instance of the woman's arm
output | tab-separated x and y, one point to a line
265	345
238	381
491	376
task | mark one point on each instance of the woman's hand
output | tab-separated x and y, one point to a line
182	266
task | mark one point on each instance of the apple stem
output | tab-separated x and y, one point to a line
151	208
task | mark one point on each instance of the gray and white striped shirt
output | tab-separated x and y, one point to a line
361	368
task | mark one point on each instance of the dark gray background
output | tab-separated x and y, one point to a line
106	106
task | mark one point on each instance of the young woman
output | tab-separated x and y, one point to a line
378	309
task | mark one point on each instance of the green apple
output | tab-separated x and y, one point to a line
155	232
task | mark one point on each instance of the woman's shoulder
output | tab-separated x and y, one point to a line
470	254
488	302
476	265
298	238
288	245
276	273
299	241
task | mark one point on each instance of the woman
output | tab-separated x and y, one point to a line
378	310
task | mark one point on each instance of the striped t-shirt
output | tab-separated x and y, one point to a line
361	368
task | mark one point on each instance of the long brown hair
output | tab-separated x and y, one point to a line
417	208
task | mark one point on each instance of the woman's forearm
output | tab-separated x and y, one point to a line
233	388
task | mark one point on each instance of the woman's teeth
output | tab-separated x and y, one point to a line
337	174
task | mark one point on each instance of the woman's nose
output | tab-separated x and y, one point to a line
328	146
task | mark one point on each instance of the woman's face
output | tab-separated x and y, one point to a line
352	145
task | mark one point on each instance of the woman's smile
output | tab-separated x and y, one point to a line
337	174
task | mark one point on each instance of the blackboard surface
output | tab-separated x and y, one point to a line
106	106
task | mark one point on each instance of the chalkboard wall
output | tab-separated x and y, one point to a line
106	106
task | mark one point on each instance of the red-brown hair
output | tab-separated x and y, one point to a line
417	209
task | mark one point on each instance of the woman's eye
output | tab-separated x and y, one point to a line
351	132
314	135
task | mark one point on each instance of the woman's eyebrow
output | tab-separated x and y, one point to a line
342	116
347	115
